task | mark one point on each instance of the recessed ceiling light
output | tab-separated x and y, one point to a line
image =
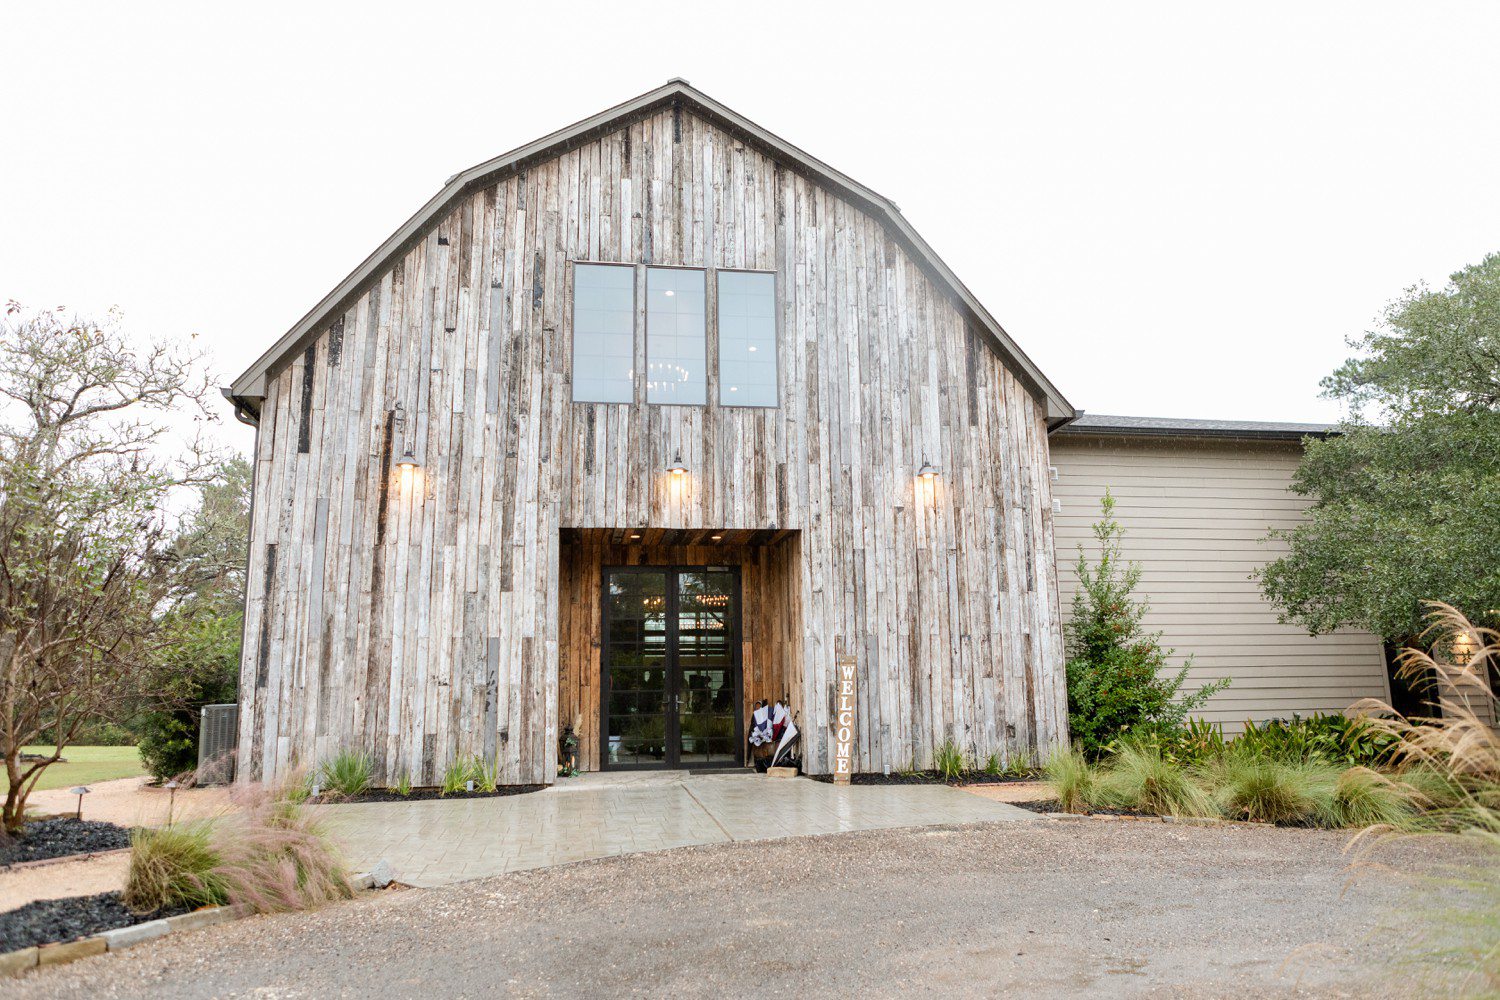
634	537
734	388
752	350
716	538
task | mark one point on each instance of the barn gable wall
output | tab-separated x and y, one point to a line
414	613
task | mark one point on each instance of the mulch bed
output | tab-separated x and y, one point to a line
1039	805
1051	806
59	837
421	795
49	920
923	778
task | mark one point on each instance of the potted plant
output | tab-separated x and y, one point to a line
567	745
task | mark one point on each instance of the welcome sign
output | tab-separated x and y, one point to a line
843	735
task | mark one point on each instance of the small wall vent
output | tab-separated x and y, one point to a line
1057	506
218	738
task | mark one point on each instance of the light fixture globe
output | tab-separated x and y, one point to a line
928	471
408	461
677	468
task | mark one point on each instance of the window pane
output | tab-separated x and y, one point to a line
747	339
676	366
603	333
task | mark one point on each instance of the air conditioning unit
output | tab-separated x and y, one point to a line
218	739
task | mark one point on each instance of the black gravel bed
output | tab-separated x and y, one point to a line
59	837
923	778
1051	806
49	920
421	795
1039	805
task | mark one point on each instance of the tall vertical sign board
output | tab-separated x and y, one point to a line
843	734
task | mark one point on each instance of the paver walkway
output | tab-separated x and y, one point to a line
438	842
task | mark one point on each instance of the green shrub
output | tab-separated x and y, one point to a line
1333	739
104	734
1363	797
1022	767
168	744
459	773
174	865
201	663
1194	742
402	786
1072	779
1266	790
1434	790
486	774
1117	676
992	765
949	761
347	773
1140	778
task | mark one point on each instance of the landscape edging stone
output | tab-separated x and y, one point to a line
19	962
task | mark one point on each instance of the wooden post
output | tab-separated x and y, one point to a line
843	729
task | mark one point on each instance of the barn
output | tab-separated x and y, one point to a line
626	431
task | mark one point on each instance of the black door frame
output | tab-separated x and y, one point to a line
673	678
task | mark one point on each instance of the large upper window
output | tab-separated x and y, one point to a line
603	333
747	338
676	356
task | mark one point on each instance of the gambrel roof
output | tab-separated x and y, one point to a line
249	388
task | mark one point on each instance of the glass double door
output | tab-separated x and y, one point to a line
670	660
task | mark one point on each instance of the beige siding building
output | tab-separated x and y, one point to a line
1197	499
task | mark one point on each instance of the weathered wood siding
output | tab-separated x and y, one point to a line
1196	513
416	613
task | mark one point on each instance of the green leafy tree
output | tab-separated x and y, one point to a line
1406	498
202	618
1119	681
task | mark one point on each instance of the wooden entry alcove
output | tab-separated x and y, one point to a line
769	564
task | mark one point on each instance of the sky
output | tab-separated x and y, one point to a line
1175	209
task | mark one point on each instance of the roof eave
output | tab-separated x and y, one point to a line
1200	433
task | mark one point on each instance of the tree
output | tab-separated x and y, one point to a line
1118	679
199	664
1406	497
83	536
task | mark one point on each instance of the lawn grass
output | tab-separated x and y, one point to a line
86	765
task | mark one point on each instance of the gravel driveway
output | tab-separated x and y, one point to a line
1061	908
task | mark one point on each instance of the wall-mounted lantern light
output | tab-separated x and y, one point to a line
407	459
928	471
677	468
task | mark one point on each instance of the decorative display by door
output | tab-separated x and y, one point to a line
671	670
